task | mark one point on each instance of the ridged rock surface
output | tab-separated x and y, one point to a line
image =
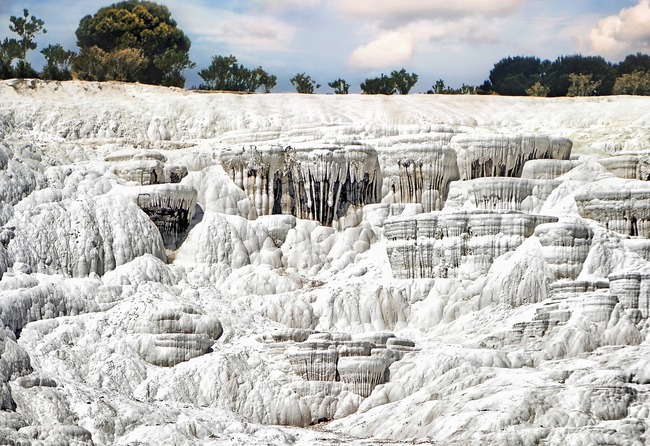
318	182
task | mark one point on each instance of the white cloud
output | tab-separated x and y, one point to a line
628	31
394	13
466	30
237	30
387	51
284	5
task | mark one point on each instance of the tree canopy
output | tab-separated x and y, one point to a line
141	34
303	83
514	75
224	73
26	28
340	86
634	63
58	63
558	76
398	82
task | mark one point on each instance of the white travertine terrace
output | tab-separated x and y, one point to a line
454	244
621	206
631	166
475	282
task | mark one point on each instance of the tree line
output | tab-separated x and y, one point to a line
138	41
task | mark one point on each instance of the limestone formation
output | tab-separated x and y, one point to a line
632	166
78	237
504	156
419	175
503	194
362	374
397	269
565	246
547	169
145	167
175	335
632	290
317	182
170	206
454	244
623	207
314	362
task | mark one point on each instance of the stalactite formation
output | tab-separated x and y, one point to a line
419	175
504	156
312	182
170	206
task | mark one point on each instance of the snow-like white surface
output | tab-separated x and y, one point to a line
516	312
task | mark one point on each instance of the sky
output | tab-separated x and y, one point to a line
458	41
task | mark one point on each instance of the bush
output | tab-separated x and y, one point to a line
537	89
582	85
636	83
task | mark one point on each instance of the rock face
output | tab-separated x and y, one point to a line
420	174
631	166
566	246
319	182
623	207
171	207
632	290
454	244
505	156
78	237
172	336
145	167
338	369
409	269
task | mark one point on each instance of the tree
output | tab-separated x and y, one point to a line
439	88
339	86
127	30
398	82
26	30
558	75
634	62
379	85
637	83
304	83
266	81
403	81
511	76
9	51
224	73
58	63
123	65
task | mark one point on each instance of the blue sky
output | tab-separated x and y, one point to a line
455	40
